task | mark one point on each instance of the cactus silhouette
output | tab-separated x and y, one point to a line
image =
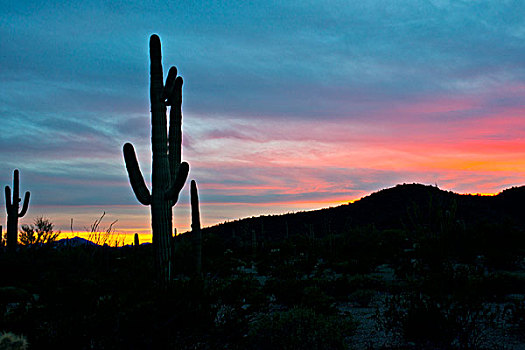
196	232
136	240
254	244
168	174
12	207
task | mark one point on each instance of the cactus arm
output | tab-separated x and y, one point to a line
196	227
173	192
25	205
135	175
175	130
8	203
195	213
170	86
159	131
156	77
16	189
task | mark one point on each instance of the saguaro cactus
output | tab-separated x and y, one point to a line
254	243
168	174
196	232
12	207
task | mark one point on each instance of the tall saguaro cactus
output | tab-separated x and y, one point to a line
12	207
196	232
168	174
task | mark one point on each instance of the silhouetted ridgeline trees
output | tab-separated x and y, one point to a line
399	207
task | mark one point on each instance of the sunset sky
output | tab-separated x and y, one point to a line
287	105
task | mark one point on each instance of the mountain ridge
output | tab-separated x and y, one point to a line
390	208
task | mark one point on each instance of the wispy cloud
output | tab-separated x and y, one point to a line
287	106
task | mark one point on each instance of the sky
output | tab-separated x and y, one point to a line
287	105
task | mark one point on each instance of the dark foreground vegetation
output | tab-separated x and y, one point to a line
411	267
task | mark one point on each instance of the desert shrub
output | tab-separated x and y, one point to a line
342	287
305	264
183	257
285	290
218	258
237	291
476	324
363	297
426	321
158	321
230	325
463	282
13	294
287	270
499	284
39	233
315	299
10	341
516	311
362	248
413	318
365	282
300	328
501	244
339	288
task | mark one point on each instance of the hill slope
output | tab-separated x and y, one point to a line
393	208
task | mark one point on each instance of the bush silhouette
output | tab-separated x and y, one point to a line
41	232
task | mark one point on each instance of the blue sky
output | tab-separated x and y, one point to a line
288	105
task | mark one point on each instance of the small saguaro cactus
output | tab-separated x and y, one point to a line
136	240
254	243
196	232
12	207
168	173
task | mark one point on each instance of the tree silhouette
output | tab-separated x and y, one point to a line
40	232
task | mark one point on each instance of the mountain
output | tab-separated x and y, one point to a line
398	207
73	242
